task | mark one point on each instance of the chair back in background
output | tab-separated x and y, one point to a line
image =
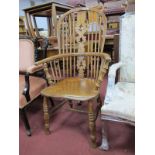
127	47
26	54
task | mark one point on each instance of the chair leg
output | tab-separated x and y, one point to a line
99	101
104	145
98	110
92	125
25	121
46	115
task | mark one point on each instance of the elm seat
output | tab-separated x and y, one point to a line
36	85
72	88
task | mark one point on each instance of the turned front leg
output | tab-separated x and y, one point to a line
46	115
92	125
98	110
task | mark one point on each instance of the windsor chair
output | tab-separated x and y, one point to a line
77	71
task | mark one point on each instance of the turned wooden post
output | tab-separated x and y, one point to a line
92	125
46	115
98	109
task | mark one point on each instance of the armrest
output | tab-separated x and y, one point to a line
30	71
111	81
27	87
34	68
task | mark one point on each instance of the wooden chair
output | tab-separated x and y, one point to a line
29	84
119	103
76	73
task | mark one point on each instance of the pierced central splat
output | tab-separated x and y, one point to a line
81	39
80	27
80	30
81	66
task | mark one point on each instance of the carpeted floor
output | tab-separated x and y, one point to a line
70	134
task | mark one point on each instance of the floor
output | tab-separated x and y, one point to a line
70	134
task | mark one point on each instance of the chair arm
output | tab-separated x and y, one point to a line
30	72
27	88
32	69
111	81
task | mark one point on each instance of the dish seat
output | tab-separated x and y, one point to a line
72	88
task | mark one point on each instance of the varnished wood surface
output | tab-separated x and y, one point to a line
92	124
83	30
92	65
109	40
103	55
46	115
72	88
77	72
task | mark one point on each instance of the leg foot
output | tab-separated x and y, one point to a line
104	145
25	121
28	132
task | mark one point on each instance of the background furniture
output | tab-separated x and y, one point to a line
22	29
113	10
119	103
76	73
29	85
51	11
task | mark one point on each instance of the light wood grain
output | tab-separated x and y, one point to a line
77	72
